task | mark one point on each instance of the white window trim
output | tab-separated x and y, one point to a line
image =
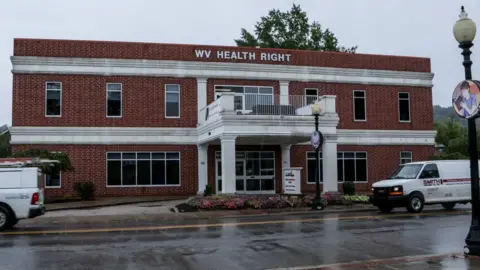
52	187
179	100
46	98
136	169
364	102
409	107
411	156
355	158
306	166
243	94
306	96
121	101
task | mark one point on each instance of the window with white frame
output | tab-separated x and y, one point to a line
311	95
172	100
246	97
359	105
404	107
114	99
312	168
53	99
143	169
405	157
352	166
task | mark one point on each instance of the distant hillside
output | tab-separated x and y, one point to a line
440	113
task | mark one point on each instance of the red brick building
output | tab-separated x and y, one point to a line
158	119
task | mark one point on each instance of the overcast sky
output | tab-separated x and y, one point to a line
398	27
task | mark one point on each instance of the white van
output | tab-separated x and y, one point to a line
21	195
416	184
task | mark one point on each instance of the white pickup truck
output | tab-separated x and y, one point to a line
21	195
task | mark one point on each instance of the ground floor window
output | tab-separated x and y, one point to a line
143	169
311	167
405	157
53	180
352	166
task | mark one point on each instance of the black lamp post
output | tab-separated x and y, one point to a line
317	140
464	32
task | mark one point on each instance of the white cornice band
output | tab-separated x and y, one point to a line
194	69
185	136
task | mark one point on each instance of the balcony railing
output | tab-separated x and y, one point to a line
263	104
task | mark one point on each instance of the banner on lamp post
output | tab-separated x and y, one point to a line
466	99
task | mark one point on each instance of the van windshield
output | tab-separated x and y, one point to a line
407	171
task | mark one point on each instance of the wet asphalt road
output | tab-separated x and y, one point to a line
238	243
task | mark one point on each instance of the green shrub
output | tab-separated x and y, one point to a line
208	191
85	190
349	188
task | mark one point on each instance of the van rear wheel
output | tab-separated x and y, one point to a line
449	205
5	218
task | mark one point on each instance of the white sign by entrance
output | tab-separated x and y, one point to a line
291	181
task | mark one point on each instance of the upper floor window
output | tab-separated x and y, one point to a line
114	99
404	107
359	105
172	100
311	95
405	157
247	97
53	99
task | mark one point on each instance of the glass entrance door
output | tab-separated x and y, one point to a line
254	172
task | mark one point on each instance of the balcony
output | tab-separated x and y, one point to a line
265	105
265	115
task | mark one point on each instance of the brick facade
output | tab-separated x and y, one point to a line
84	101
89	162
181	52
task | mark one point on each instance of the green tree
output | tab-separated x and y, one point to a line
63	165
291	30
5	147
454	137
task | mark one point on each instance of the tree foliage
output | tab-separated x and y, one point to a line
63	165
291	30
5	147
454	137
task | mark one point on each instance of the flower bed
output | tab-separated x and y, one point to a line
216	202
234	202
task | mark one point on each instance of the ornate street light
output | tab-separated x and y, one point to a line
464	31
317	140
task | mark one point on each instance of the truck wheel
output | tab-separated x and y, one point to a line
449	205
415	203
5	218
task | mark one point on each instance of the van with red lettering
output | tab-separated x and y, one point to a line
416	184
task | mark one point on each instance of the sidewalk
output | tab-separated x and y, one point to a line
109	201
422	262
162	211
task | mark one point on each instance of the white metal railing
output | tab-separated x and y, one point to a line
266	104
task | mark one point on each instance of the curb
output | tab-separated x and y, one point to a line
290	213
106	205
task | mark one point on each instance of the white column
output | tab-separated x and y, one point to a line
201	97
284	92
329	157
202	167
285	160
228	164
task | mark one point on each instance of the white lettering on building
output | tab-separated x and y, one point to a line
236	55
